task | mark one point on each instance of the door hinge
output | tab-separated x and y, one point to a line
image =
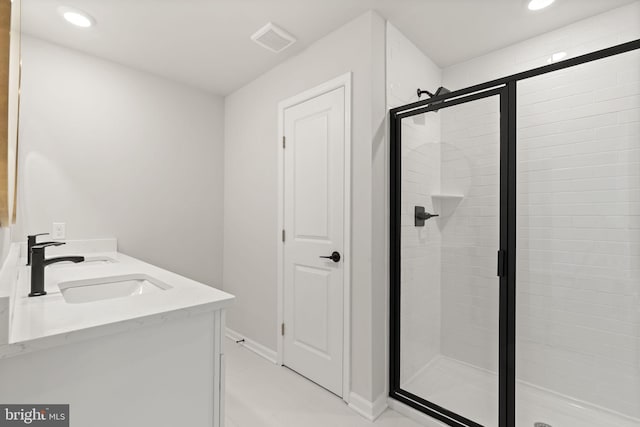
282	329
283	235
284	141
502	264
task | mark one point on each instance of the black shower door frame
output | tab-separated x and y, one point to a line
506	95
506	89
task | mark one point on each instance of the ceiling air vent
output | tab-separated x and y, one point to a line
273	38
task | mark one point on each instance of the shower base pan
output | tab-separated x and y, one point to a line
471	392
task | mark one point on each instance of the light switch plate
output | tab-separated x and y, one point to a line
59	230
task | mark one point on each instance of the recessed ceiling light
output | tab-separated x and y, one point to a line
558	56
539	4
76	17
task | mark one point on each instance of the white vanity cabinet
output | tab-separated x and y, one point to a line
145	360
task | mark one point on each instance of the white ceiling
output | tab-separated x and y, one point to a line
205	43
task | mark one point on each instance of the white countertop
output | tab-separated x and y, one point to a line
40	322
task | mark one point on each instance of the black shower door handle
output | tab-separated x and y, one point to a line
335	256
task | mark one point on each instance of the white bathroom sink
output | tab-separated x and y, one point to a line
88	261
102	288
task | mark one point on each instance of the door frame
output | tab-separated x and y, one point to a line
342	81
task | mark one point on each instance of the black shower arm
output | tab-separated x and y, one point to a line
441	91
422	92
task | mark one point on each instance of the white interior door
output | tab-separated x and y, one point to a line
314	180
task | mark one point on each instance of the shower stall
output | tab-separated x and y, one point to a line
515	248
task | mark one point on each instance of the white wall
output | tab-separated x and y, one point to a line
115	152
379	217
408	69
598	32
578	233
251	149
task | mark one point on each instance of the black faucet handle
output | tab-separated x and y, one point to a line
36	235
47	244
32	240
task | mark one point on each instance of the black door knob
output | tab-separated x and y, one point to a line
335	256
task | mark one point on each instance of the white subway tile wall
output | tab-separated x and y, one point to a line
408	69
579	232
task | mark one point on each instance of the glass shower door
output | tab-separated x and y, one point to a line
445	291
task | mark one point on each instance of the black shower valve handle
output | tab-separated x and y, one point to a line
426	215
420	216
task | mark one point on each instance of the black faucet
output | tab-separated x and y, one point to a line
31	242
38	263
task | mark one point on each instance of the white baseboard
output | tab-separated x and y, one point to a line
413	414
249	344
369	410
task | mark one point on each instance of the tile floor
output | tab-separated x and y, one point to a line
261	394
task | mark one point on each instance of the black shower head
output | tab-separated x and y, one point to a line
441	91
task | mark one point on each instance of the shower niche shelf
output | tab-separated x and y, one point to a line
445	204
